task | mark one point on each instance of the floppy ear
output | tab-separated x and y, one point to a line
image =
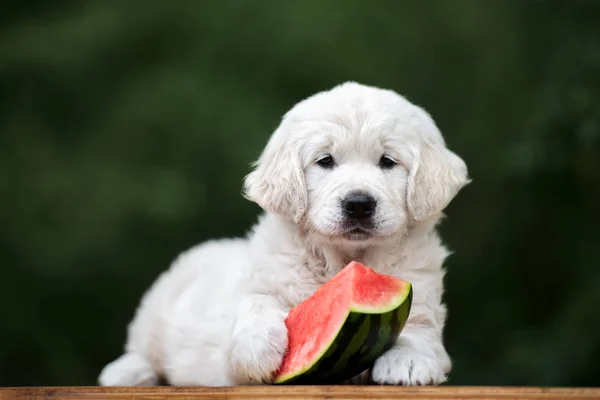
436	175
277	182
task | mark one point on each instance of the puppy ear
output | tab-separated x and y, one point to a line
277	182
436	175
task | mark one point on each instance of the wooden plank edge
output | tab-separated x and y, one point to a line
301	392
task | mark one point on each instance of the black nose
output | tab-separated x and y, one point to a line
358	205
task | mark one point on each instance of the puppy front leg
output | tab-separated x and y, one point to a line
259	340
417	358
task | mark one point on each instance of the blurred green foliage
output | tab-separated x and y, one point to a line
126	128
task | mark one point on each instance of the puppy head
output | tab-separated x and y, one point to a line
356	164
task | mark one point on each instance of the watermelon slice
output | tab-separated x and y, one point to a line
341	329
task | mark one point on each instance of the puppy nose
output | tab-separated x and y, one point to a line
358	205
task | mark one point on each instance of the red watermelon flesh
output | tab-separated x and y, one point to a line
314	324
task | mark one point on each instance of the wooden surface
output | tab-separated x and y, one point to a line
301	392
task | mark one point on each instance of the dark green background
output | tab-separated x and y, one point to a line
126	128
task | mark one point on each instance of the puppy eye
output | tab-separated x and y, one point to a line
386	162
326	162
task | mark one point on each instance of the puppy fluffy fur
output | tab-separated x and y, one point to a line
216	316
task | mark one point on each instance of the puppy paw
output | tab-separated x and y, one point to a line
258	346
407	367
256	356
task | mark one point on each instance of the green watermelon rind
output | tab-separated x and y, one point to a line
319	372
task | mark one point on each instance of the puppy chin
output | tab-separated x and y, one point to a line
344	234
346	243
364	238
348	238
358	234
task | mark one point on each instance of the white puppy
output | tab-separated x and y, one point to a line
353	173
